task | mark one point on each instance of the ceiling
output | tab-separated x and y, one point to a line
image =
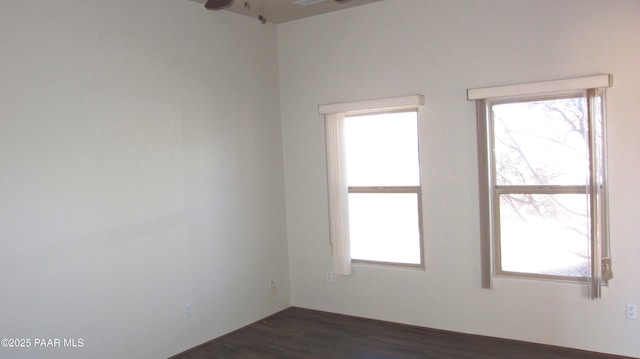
279	11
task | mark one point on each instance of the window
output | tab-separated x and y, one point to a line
383	176
543	181
374	182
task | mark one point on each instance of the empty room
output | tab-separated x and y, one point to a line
319	179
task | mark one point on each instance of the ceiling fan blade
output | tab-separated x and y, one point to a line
217	4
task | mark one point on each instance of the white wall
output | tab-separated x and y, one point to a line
440	48
140	170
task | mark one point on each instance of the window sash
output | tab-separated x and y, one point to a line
497	224
395	189
369	157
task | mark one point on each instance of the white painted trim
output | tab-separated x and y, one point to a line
580	83
372	105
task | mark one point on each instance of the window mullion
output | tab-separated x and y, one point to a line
384	189
541	189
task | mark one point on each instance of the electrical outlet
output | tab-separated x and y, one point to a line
187	311
272	285
329	276
632	311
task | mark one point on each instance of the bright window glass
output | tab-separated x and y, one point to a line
382	150
383	177
385	227
541	142
542	165
545	234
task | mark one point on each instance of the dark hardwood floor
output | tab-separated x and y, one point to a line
303	333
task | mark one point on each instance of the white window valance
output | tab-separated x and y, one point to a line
537	88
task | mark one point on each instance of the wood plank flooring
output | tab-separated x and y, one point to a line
303	333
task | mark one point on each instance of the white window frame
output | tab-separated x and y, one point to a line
600	262
335	115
